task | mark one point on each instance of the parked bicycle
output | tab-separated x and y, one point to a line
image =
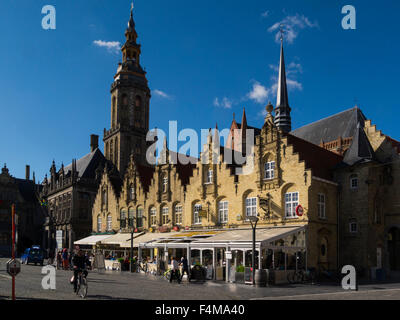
302	276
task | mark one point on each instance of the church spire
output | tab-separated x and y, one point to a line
282	109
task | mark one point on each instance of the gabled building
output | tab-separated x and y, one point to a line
69	193
24	193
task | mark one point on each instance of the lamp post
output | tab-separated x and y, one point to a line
131	226
253	221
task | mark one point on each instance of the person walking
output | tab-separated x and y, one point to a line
185	268
174	270
65	259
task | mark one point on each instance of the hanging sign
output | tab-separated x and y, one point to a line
299	210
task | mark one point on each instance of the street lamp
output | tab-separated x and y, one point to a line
253	220
130	222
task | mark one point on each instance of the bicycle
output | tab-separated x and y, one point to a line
82	285
301	276
168	275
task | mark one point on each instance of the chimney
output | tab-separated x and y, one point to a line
94	142
27	172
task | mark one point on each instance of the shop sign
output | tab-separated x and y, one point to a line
299	210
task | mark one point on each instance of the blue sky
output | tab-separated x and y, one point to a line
205	60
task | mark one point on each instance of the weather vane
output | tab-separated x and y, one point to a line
281	30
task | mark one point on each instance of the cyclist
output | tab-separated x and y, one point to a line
80	262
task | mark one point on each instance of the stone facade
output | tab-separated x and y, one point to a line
30	216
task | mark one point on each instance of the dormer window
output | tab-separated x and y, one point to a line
269	170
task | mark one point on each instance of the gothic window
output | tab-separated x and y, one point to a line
138	102
113	112
131	217
104	196
99	223
209	177
251	207
321	206
291	202
139	218
112	151
269	170
153	216
178	214
131	192
123	218
223	212
124	100
116	150
109	222
107	150
196	214
165	215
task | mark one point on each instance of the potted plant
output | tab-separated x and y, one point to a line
239	274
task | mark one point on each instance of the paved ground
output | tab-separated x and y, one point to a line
122	286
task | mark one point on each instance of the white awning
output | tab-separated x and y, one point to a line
244	237
121	239
92	240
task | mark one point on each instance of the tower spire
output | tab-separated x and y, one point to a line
282	109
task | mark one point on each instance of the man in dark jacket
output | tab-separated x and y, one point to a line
80	262
185	268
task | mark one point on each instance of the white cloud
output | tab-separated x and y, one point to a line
292	26
161	94
112	46
224	103
259	93
265	14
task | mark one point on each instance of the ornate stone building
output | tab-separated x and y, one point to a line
341	171
69	192
24	193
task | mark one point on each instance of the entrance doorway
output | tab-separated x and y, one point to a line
394	249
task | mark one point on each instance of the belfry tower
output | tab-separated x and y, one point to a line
130	100
282	109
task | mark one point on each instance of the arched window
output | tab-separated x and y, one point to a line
116	150
99	223
251	206
131	214
139	218
196	214
104	196
165	215
124	100
112	151
138	102
123	218
153	216
223	211
132	192
109	222
178	214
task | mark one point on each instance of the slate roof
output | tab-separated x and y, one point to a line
28	190
343	124
87	165
360	149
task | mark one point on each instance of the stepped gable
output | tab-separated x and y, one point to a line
319	160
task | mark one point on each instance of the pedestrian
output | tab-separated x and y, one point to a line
65	259
59	260
185	268
174	270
